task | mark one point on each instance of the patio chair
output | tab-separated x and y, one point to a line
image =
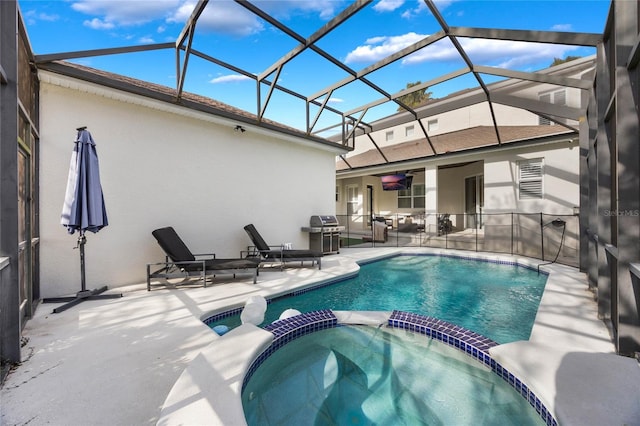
181	262
278	254
444	224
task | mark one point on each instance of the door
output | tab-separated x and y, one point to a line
474	201
24	232
369	206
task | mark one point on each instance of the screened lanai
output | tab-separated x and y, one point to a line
314	108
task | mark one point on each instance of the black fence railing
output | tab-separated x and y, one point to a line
551	238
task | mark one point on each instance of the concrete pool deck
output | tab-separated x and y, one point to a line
119	361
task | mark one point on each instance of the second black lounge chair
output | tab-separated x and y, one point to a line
278	253
181	262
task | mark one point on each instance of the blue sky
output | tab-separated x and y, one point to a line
230	33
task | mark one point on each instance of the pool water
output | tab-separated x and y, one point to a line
498	301
359	375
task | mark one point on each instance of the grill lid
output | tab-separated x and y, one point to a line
323	221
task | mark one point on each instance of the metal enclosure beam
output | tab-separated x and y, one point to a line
553	37
10	322
100	52
602	149
534	76
627	178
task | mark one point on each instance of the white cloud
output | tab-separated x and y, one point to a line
331	100
562	27
146	40
232	78
387	5
377	48
509	54
225	17
498	53
46	17
98	24
417	10
126	13
32	17
284	9
415	7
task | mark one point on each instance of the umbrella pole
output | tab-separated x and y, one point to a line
83	294
82	240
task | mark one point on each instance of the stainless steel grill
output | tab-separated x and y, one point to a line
324	234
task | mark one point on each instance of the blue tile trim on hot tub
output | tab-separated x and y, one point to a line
223	315
288	329
468	342
474	345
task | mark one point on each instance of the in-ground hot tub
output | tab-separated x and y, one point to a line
413	370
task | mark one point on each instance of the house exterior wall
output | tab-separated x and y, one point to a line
560	181
463	118
163	165
480	114
503	232
561	189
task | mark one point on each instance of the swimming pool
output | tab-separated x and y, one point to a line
497	300
366	375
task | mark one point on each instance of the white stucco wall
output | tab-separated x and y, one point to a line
162	165
561	184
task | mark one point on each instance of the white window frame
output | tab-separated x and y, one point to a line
353	199
531	179
413	194
432	125
409	131
388	136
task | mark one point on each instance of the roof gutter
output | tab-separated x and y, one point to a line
421	162
218	115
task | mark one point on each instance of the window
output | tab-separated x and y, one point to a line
432	125
337	193
557	98
352	199
412	198
530	173
389	136
408	131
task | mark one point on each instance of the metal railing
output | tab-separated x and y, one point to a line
551	238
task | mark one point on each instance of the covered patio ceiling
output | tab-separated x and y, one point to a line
381	105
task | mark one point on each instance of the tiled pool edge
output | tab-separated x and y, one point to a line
466	341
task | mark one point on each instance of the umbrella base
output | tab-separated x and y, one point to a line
81	296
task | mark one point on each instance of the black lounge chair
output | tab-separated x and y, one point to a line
180	262
279	254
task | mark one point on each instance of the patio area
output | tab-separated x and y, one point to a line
114	362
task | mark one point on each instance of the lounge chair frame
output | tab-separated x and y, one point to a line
278	254
204	265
